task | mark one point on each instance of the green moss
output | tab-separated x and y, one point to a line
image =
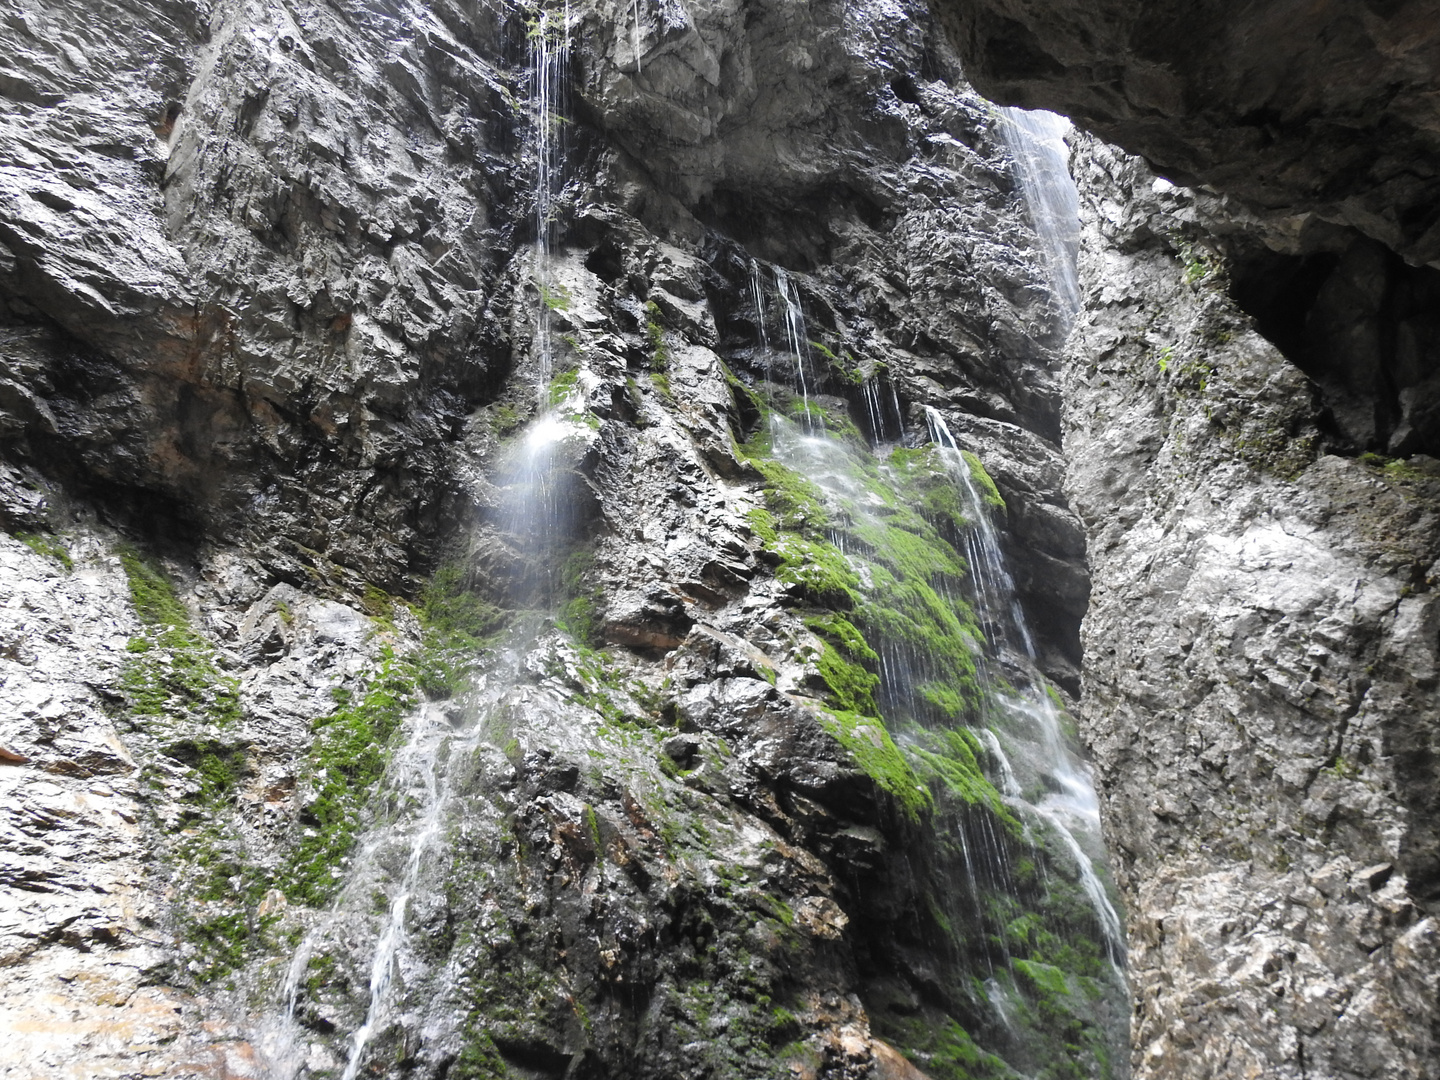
1042	978
479	1059
906	523
986	486
875	752
151	593
505	418
220	769
458	625
172	672
844	654
347	759
1396	469
795	501
48	546
555	297
379	605
593	824
941	1048
562	386
655	333
948	760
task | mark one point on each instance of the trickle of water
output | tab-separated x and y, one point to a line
995	588
1037	142
796	347
422	752
1009	786
432	745
635	14
549	72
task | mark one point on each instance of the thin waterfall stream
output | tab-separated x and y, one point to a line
533	512
1037	141
1011	708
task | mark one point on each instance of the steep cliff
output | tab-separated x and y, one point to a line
1260	664
1248	403
482	598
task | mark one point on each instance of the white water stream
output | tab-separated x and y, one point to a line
1075	805
1037	142
549	78
529	513
432	741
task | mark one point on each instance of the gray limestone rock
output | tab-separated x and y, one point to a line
1257	691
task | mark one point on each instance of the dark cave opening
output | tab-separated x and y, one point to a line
1365	326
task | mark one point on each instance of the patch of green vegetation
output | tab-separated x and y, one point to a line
565	384
220	770
556	297
151	593
844	362
942	1049
988	491
584	603
1043	978
879	758
1397	469
655	333
816	569
1199	263
842	664
795	501
951	757
346	761
1343	769
930	489
505	418
172	673
48	546
906	525
479	1059
458	625
1167	354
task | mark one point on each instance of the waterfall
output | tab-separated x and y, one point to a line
1075	804
549	77
1037	142
794	335
421	756
533	511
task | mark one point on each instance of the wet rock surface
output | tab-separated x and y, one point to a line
274	357
1259	665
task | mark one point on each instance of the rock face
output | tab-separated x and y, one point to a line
1325	109
422	654
1259	658
1260	665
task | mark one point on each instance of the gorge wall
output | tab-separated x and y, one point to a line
389	569
428	651
1260	645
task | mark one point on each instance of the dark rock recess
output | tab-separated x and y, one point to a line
1324	108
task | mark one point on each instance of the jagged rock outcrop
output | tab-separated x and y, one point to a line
247	256
1260	664
1322	109
277	340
